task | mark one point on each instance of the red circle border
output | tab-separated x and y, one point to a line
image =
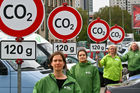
36	24
123	34
94	22
65	8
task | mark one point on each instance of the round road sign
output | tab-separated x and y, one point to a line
116	34
64	22
98	30
21	18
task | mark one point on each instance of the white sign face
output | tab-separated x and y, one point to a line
97	47
18	50
18	15
66	48
98	30
64	23
116	34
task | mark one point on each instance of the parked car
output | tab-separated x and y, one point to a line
132	85
31	73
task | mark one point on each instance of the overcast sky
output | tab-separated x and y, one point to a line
99	3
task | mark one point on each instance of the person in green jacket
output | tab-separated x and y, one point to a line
86	74
112	66
57	82
133	58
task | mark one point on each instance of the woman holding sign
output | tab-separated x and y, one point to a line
112	66
57	82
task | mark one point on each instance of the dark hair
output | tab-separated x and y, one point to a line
83	51
57	53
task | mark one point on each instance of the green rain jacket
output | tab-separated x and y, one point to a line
133	59
87	77
112	67
48	85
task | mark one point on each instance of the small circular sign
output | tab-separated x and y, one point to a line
98	30
19	19
64	22
116	34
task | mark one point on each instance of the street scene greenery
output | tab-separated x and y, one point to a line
112	15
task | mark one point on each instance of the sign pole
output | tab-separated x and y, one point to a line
19	62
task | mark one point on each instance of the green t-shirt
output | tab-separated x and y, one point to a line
112	67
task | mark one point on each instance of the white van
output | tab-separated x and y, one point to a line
43	50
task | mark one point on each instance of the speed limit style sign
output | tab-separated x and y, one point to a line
116	34
19	18
64	22
98	30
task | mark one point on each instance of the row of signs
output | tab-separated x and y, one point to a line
22	18
65	23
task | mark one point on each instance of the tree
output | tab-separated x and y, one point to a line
115	15
83	34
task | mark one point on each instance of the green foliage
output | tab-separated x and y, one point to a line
83	34
112	15
115	15
137	37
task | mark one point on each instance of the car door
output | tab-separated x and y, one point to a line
4	78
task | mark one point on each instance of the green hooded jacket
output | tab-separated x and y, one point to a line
133	59
112	67
87	77
48	84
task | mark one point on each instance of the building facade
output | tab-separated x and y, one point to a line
49	6
85	5
124	4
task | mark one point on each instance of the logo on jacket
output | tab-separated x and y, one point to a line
88	72
67	87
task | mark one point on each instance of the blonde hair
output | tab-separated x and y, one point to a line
130	48
114	47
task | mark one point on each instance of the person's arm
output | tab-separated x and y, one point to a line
36	88
125	57
102	61
77	88
72	71
96	81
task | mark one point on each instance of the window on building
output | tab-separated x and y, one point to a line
70	2
55	3
49	3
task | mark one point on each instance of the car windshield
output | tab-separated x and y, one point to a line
43	53
26	65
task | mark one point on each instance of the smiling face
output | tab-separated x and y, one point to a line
134	47
57	63
82	57
112	49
